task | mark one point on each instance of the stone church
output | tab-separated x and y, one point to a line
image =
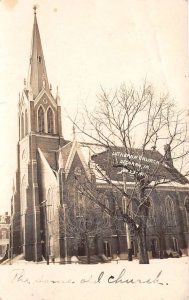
50	175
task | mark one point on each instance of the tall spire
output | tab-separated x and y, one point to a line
37	76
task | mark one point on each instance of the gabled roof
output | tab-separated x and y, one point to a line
110	162
46	93
46	168
147	162
65	151
54	158
68	153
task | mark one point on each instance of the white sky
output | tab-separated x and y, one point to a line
88	43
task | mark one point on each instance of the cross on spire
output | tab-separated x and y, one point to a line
35	9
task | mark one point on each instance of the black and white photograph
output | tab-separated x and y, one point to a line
94	156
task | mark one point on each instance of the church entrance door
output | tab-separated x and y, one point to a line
81	249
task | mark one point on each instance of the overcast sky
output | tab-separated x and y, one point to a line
88	43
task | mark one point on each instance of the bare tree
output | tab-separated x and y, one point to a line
83	222
133	127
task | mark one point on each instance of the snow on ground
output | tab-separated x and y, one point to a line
166	279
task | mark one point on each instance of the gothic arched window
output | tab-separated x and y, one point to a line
22	125
105	201
151	216
79	202
50	121
41	123
26	122
186	203
170	212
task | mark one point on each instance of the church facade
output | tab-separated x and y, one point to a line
48	199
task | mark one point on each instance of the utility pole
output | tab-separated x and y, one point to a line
128	237
65	235
44	205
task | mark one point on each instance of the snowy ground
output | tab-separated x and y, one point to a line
166	279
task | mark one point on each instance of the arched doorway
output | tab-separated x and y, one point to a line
81	249
107	249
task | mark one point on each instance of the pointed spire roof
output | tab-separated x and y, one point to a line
57	97
37	76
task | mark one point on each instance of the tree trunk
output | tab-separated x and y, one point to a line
118	243
160	248
96	245
142	247
162	245
88	250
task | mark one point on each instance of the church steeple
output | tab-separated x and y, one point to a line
37	76
39	110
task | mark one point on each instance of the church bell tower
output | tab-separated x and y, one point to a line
40	127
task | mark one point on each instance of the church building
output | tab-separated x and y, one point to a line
47	203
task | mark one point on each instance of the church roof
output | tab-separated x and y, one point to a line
51	157
37	75
65	151
111	163
147	162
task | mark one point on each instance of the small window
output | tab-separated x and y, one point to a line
39	59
